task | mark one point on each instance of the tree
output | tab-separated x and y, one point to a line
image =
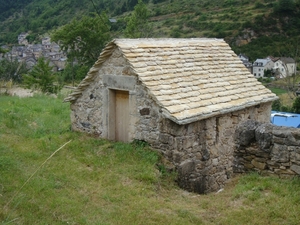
2	51
137	24
12	70
285	6
267	73
84	39
42	78
74	72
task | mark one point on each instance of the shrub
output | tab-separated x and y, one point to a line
42	78
296	105
276	105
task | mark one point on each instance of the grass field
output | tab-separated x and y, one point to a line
278	91
94	181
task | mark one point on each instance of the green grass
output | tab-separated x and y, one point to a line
278	91
94	181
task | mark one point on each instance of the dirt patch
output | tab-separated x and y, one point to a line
17	91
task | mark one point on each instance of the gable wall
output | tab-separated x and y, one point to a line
91	112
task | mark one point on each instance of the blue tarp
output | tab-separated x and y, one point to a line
285	119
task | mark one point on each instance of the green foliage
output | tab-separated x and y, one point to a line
2	50
267	73
175	33
158	1
276	105
137	23
83	39
74	72
284	6
285	108
296	105
12	70
31	38
42	78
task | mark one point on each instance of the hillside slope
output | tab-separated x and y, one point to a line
256	28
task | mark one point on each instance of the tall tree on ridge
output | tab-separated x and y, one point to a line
83	39
137	24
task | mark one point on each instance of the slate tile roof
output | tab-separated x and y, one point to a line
191	79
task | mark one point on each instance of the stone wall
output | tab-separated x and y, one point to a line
267	148
202	152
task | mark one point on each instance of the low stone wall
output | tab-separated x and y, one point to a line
267	148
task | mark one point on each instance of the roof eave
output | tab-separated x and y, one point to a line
195	118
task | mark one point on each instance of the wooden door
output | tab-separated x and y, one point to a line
121	115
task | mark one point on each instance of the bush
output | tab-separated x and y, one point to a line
42	78
286	109
74	72
296	105
276	105
12	70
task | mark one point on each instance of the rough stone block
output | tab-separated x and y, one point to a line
260	159
296	134
296	169
291	141
281	132
279	153
164	138
186	167
248	165
259	165
287	171
264	136
215	162
272	163
188	142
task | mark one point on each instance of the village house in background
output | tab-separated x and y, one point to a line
284	67
262	65
185	97
246	62
22	39
29	53
279	67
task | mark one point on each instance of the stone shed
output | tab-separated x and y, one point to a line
185	97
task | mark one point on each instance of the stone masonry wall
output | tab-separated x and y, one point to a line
267	148
202	152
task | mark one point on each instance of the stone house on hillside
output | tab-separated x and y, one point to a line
261	65
284	66
184	97
22	38
31	52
